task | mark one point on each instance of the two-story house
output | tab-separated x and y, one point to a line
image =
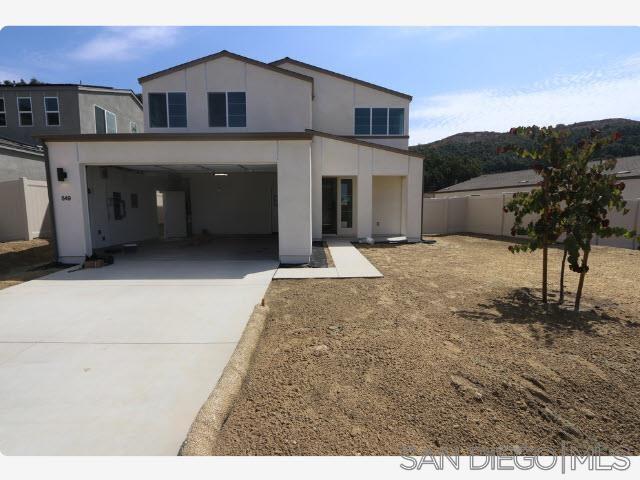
55	108
236	146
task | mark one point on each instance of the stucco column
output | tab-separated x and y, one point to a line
69	203
414	200
316	187
294	201
364	193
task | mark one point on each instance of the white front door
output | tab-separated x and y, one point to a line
175	214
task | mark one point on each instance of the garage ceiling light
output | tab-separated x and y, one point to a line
220	174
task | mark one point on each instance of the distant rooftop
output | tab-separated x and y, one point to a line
23	147
35	85
626	167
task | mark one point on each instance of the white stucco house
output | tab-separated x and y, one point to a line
235	146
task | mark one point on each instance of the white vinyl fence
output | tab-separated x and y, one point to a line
484	215
24	210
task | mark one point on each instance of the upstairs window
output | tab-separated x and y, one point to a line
3	113
363	121
25	113
227	109
106	121
52	111
168	110
379	121
396	121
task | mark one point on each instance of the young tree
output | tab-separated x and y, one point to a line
590	191
543	202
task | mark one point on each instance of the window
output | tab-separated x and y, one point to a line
25	114
227	109
157	110
379	121
168	110
52	111
177	102
396	121
133	127
363	121
105	120
3	113
346	203
237	109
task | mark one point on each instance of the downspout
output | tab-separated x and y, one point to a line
54	233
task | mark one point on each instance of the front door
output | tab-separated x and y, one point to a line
329	206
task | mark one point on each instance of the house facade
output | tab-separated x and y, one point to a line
241	147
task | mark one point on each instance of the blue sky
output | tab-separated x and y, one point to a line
462	79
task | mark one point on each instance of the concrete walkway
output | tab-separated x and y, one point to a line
348	261
118	360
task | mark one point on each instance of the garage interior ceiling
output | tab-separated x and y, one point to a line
211	169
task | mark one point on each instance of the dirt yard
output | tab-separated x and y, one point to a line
25	260
450	349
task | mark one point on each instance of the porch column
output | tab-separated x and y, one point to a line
364	193
294	201
414	200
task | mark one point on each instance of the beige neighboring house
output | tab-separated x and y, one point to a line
475	206
242	147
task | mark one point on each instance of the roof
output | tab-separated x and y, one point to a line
9	144
79	86
145	137
239	136
220	54
350	139
341	76
627	167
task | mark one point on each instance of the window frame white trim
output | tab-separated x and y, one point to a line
19	111
371	134
4	110
46	118
95	126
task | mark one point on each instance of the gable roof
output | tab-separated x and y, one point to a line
220	54
627	167
340	76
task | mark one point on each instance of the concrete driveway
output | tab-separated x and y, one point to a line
118	360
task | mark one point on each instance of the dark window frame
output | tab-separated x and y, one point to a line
360	130
230	114
168	117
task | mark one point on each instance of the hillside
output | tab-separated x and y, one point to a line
466	155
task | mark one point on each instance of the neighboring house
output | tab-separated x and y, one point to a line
475	206
242	147
28	110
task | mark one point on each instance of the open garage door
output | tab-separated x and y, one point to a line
138	203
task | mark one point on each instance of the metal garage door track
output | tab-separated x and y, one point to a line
118	360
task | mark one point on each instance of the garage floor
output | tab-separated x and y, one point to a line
118	360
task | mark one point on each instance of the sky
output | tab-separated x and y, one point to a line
461	79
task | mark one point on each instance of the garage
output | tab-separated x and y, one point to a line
180	204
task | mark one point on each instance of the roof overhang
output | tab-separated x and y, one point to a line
225	53
175	137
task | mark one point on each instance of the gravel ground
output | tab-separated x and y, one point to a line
25	260
450	349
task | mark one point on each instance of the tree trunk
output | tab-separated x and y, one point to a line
581	282
545	251
564	262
